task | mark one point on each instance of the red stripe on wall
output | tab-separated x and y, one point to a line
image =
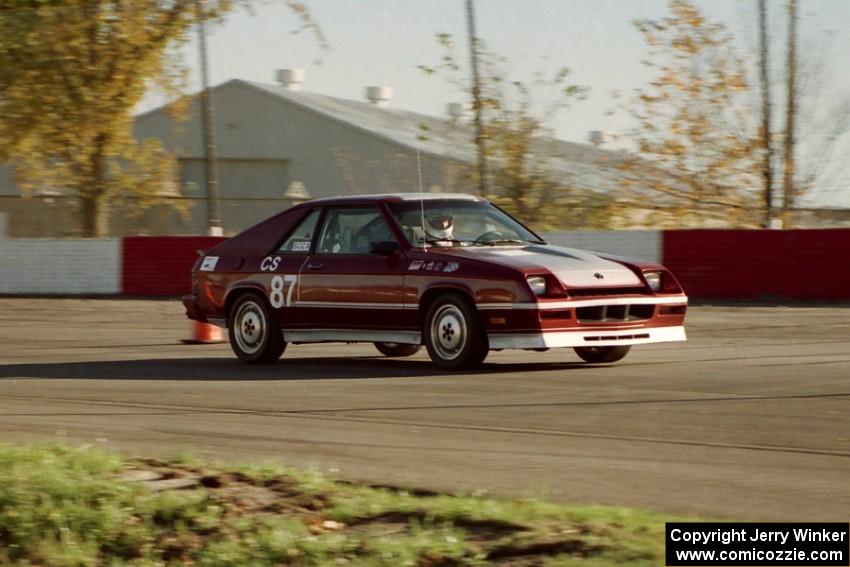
760	264
161	265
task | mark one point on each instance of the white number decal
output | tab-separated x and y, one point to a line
276	292
276	297
293	281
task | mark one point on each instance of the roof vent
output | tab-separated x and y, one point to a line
297	191
291	79
379	96
455	110
598	137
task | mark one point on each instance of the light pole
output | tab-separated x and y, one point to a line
483	181
788	196
767	166
208	133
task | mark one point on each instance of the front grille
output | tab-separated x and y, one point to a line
617	337
606	291
614	313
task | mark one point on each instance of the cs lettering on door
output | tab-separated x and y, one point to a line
270	263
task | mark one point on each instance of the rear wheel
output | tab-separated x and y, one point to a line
454	335
254	334
395	350
603	354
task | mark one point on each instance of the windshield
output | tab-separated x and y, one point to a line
453	222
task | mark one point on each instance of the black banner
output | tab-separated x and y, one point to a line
762	544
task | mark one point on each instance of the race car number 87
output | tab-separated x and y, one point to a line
276	297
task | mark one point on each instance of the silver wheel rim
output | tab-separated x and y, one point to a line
448	332
250	327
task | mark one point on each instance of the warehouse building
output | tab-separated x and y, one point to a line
278	144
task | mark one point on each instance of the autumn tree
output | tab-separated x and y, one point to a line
816	127
519	147
812	132
71	73
697	141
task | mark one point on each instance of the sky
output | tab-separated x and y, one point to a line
381	42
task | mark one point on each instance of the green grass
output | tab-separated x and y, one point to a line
64	506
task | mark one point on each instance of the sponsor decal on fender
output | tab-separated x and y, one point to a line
209	263
433	266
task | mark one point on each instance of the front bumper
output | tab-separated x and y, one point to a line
587	338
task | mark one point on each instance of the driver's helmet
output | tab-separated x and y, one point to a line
440	225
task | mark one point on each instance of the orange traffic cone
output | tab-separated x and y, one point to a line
204	334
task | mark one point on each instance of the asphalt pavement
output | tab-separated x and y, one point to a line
749	419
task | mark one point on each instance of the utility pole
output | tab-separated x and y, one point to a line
790	117
767	168
208	132
483	181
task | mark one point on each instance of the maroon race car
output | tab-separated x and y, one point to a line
452	272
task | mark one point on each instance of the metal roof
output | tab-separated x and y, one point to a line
580	166
593	166
429	134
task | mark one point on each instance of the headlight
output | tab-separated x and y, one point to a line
537	285
654	280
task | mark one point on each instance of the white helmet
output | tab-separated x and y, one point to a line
440	225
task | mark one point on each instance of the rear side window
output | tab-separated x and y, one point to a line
301	239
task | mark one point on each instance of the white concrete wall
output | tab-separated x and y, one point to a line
54	266
637	244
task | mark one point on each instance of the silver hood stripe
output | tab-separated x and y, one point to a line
573	267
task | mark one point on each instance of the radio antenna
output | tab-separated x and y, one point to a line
421	201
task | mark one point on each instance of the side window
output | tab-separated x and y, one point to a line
352	231
302	237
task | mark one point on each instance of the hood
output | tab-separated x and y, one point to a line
573	267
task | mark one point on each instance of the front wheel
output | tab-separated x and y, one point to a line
603	354
254	334
454	336
394	350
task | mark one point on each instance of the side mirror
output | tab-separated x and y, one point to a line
385	247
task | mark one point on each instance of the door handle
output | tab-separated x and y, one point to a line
316	266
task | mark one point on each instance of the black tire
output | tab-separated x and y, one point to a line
253	330
395	350
453	333
603	354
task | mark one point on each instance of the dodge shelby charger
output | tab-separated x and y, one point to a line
452	272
